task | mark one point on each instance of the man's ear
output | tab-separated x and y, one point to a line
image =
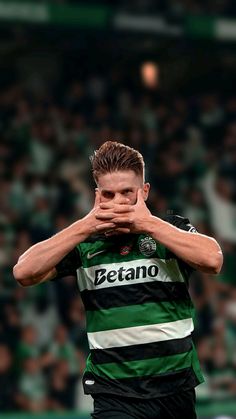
146	189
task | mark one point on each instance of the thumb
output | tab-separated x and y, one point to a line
97	198
140	199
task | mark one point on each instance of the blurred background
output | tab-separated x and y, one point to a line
158	75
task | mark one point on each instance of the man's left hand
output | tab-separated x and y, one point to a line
126	217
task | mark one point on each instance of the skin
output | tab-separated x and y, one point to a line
122	197
119	208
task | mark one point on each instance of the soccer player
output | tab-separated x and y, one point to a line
133	270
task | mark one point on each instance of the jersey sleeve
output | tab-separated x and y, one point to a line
69	264
181	222
184	224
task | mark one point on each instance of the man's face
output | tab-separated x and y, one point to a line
118	185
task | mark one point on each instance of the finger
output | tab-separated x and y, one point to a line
97	198
123	209
122	220
117	231
121	201
119	209
106	205
105	226
123	230
105	216
114	217
110	233
140	196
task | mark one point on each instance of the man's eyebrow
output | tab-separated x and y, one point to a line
106	191
129	188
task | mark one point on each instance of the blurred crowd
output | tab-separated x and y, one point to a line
178	8
174	8
171	8
189	145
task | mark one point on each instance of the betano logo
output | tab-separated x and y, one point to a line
123	274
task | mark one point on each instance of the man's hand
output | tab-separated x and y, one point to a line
125	217
92	223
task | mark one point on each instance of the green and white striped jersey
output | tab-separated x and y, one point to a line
139	315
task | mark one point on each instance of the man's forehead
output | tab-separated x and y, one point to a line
119	185
128	176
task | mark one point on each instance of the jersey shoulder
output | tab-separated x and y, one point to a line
180	222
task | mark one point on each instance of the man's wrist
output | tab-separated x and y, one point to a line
151	225
80	230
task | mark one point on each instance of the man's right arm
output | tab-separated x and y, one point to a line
38	263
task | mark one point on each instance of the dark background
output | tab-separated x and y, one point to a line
64	90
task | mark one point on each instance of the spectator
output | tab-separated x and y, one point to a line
61	387
7	380
63	349
43	316
189	145
27	345
32	387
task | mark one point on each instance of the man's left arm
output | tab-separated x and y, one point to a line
198	250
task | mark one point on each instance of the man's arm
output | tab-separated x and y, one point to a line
38	263
198	250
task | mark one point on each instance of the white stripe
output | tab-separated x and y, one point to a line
140	334
124	21
24	11
168	272
225	29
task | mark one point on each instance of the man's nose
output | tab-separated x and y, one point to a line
120	199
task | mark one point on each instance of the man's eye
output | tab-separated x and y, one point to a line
108	195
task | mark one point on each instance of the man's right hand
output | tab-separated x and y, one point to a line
38	263
91	224
107	213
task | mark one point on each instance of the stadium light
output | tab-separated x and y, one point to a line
150	74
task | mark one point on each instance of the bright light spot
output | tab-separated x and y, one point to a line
150	74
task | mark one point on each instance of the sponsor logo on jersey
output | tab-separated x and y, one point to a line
125	250
125	274
147	246
92	255
89	382
192	230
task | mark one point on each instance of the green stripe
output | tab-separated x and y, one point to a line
200	26
82	15
142	368
138	315
107	258
196	365
112	253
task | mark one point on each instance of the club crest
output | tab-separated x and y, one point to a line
147	246
125	250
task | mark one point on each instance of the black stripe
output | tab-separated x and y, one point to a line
147	292
68	265
142	387
142	351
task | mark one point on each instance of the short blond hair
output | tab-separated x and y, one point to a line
113	156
